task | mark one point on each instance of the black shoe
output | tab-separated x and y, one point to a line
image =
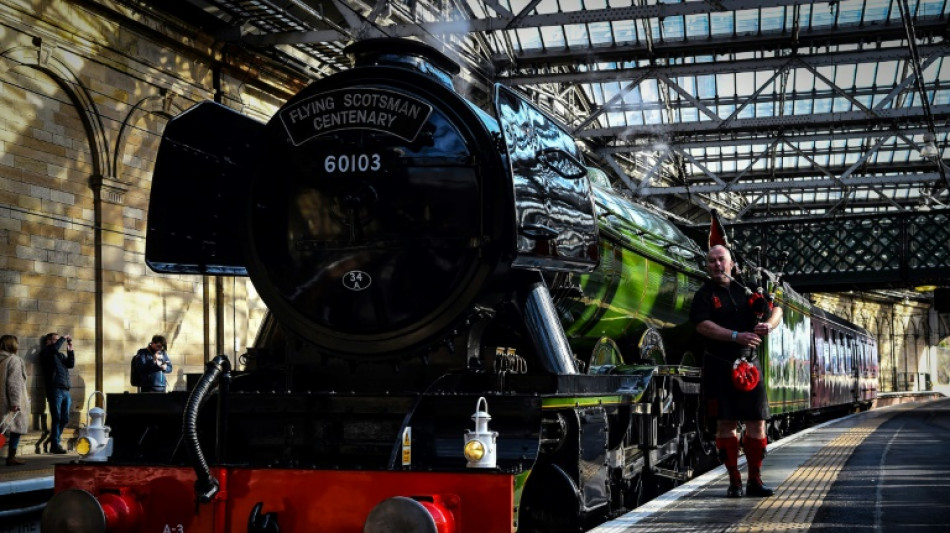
734	491
57	450
758	491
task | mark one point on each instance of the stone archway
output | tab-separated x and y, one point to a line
41	57
44	59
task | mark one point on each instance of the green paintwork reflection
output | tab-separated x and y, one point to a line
646	278
785	356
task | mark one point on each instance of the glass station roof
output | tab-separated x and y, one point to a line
761	110
767	109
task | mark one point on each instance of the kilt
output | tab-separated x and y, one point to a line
723	400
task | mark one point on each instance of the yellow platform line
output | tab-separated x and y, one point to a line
797	500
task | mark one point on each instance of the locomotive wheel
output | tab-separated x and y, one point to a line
703	455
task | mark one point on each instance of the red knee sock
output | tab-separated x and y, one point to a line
754	452
729	455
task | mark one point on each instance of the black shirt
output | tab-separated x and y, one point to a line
727	307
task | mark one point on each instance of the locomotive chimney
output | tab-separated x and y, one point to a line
403	53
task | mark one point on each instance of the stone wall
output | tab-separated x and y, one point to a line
86	88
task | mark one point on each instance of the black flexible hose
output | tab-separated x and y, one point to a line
206	486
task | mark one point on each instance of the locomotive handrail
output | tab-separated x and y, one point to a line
660	240
621	239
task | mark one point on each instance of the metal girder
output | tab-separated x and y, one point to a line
724	67
761	96
820	208
869	251
790	137
820	121
507	21
616	104
807	172
631	84
795	184
722	47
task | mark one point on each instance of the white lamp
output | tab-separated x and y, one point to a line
94	442
480	445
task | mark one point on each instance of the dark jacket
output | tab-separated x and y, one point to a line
728	307
56	365
152	376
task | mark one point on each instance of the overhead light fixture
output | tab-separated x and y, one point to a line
929	149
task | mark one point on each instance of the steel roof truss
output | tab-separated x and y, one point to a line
619	170
835	88
852	119
911	78
782	69
741	214
634	83
712	175
864	157
798	184
815	164
688	97
500	9
934	52
654	170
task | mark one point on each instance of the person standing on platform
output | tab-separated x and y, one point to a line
152	363
13	395
56	365
724	316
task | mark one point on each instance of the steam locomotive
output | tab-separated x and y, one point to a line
469	330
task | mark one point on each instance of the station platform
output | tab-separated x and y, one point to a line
24	490
884	470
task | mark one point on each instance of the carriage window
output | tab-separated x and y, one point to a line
858	356
825	351
841	356
833	359
849	360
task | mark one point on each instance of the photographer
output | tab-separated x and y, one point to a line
152	363
56	367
